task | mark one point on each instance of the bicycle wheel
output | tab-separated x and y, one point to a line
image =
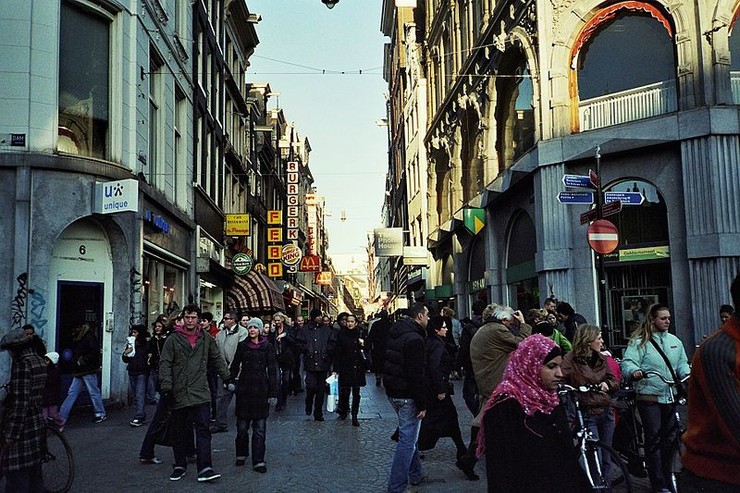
605	469
58	467
673	465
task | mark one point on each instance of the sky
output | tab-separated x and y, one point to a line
300	39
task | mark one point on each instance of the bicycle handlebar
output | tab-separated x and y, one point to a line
649	373
564	388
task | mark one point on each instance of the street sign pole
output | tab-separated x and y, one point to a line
601	270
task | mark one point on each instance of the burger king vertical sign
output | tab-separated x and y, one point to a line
291	253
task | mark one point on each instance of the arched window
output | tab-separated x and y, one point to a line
521	273
514	109
624	65
472	169
442	189
735	59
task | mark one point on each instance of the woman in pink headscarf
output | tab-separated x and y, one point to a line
525	435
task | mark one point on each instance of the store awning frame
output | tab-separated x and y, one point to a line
255	294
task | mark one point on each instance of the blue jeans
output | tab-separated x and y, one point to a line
222	405
138	385
75	389
184	420
406	466
152	396
602	426
259	432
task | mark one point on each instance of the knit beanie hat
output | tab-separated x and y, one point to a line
53	357
255	322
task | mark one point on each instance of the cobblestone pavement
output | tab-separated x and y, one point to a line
303	455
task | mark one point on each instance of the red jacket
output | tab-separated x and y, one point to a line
713	436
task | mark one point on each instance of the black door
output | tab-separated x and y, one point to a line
77	303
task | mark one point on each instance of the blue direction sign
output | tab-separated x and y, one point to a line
577	181
576	197
627	198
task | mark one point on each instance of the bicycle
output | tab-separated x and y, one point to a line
629	436
592	453
57	466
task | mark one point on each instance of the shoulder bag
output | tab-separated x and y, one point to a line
681	392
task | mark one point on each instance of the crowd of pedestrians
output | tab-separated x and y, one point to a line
192	368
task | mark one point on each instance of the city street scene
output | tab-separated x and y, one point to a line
370	245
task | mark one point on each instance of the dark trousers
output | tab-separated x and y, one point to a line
470	393
184	420
656	418
285	377
147	446
295	378
27	480
213	387
344	400
259	432
315	391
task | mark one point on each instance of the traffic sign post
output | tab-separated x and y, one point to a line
602	236
626	198
576	198
577	181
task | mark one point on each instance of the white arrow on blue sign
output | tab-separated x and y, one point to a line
627	198
576	197
577	181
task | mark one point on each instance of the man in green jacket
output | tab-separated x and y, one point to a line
187	355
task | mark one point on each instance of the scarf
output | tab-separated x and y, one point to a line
521	382
192	337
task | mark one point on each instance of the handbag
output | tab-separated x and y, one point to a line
163	432
332	399
681	392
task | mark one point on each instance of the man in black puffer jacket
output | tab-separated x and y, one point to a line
404	380
316	342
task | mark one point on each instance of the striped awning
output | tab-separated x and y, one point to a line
255	294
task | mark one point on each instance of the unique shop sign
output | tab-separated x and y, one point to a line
117	196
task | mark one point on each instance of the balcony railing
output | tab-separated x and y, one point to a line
626	106
735	85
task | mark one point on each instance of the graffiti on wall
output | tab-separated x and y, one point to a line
18	306
136	315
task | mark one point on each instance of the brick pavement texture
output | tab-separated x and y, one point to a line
303	456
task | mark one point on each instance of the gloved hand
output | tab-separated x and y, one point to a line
168	398
272	401
229	386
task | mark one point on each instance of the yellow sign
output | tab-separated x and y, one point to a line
323	278
275	234
274	252
275	269
275	217
238	225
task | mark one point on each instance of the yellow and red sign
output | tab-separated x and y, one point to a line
275	269
291	254
238	225
310	263
323	278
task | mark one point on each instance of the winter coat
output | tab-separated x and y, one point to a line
228	339
526	454
438	367
648	358
568	328
377	339
154	351
463	354
53	387
23	421
256	368
317	343
85	353
595	372
349	360
403	372
182	369
137	364
489	353
285	349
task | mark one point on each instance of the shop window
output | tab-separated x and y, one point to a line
84	78
625	66
734	42
514	109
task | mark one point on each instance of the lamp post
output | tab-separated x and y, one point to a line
330	3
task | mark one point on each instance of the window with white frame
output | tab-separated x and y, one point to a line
155	161
84	82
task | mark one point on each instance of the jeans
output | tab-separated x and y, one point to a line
222	406
315	391
656	418
138	385
75	389
406	466
26	480
152	396
259	432
213	380
602	426
284	379
184	420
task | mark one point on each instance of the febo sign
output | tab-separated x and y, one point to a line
603	236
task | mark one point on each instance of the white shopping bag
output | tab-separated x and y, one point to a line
333	397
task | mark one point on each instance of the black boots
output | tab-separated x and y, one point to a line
466	464
355	422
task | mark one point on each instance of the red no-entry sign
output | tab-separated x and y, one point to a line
603	236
